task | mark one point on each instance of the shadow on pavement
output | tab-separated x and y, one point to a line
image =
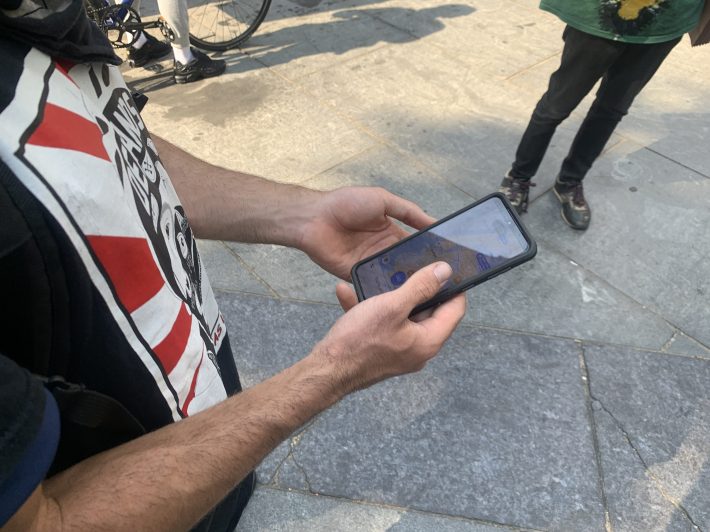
334	37
161	78
337	36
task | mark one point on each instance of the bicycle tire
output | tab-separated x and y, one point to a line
245	17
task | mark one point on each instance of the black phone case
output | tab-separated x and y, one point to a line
454	290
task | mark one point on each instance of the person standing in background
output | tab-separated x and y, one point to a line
190	64
621	42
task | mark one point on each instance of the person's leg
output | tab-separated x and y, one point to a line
620	86
585	59
175	14
145	47
190	64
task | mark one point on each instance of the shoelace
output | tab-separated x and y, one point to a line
578	196
523	186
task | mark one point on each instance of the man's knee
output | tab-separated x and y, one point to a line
608	111
552	110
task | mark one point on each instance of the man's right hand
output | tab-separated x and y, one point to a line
377	339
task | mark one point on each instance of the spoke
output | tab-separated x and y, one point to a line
236	18
204	11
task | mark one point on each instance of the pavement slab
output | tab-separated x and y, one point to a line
473	407
226	271
273	129
400	174
671	115
322	40
653	423
553	295
289	272
651	243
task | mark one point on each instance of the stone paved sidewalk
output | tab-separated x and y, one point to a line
576	395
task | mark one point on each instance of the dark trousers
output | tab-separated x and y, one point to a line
624	70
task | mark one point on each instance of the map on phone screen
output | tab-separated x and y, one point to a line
472	242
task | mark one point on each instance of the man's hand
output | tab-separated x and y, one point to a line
377	339
352	223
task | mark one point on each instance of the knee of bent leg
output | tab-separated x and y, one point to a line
549	109
608	110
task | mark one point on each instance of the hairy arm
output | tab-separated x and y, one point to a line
223	204
170	478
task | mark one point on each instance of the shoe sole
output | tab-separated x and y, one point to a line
564	218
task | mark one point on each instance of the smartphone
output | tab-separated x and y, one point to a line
479	242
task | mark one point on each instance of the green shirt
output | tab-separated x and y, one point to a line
634	21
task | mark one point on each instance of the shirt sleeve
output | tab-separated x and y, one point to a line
29	434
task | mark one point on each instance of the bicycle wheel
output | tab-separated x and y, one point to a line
219	25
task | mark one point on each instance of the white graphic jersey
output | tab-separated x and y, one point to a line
73	136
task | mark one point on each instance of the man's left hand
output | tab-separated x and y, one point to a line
350	224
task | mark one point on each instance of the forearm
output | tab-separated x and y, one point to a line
169	479
223	204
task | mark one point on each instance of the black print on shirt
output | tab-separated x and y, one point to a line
629	17
168	230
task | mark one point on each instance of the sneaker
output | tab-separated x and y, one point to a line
516	191
151	50
575	209
199	68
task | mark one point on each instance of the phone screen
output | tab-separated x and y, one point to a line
472	242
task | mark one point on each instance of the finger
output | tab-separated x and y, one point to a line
346	296
444	319
423	285
406	211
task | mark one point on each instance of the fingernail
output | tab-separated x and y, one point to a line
442	271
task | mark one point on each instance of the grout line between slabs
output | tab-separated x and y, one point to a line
404	509
601	484
529	68
249	269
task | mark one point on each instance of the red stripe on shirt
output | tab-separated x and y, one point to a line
171	348
64	66
61	128
131	268
191	393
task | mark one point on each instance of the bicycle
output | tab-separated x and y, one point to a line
212	26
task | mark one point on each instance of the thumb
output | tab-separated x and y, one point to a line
424	284
346	296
